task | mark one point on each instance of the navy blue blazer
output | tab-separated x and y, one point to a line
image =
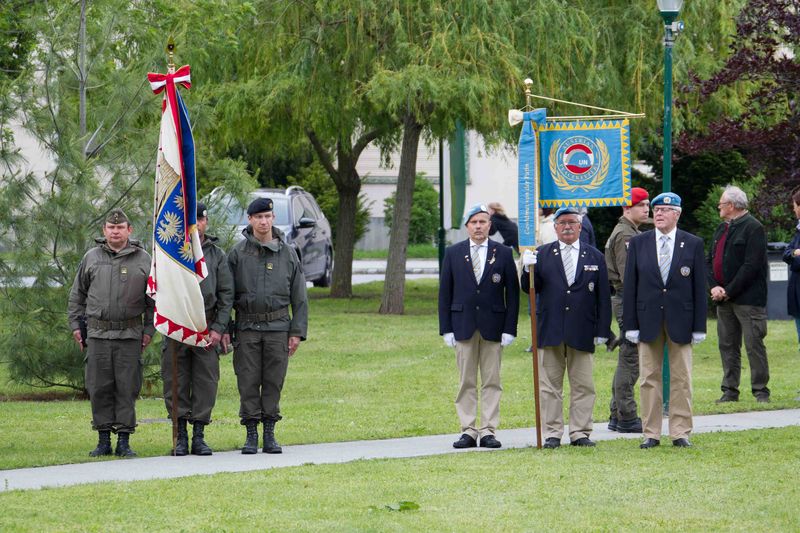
681	303
573	314
490	306
793	290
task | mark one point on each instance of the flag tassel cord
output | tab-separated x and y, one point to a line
616	113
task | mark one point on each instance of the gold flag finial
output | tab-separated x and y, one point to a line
528	83
171	53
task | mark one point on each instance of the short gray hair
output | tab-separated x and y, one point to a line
735	196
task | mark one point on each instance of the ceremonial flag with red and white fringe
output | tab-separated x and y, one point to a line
178	265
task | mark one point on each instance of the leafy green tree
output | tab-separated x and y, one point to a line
424	212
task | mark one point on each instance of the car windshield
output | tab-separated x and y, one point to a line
280	206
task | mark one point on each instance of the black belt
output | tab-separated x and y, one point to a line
262	317
107	325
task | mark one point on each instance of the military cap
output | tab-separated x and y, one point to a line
566	211
474	210
202	212
117	216
668	199
638	195
259	205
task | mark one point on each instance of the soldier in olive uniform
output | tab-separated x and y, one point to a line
623	404
198	368
268	281
109	293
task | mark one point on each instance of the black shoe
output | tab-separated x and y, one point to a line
251	441
613	423
123	446
488	441
103	444
682	443
583	441
551	443
633	425
650	443
726	399
199	446
762	399
465	441
270	444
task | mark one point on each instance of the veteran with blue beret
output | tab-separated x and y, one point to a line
478	308
665	303
573	315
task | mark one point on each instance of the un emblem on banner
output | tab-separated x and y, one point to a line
579	163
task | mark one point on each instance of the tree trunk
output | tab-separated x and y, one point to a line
395	284
348	188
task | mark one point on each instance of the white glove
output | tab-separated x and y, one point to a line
506	339
632	336
450	340
528	259
698	337
600	340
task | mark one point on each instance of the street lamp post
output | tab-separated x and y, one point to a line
672	27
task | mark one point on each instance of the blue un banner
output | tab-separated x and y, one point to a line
584	163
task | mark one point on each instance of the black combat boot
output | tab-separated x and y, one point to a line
182	443
251	443
199	446
123	447
103	444
270	444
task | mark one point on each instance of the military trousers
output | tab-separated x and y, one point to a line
113	372
735	321
260	360
554	361
623	400
198	377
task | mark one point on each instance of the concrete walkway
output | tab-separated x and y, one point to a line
413	266
337	452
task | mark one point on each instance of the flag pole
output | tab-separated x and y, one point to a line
172	343
532	291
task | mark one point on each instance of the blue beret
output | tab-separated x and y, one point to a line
259	205
474	210
669	199
566	211
202	212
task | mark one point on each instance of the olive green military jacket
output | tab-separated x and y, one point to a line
110	287
617	251
267	279
217	287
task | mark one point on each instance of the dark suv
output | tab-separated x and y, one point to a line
297	215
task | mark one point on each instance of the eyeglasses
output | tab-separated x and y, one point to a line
563	223
719	206
664	209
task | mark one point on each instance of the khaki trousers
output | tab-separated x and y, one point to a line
553	360
651	357
472	355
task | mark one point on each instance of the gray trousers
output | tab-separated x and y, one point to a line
623	401
260	361
735	321
198	376
113	379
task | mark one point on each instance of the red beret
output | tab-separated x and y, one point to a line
637	195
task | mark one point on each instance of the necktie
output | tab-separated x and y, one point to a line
569	266
476	262
664	258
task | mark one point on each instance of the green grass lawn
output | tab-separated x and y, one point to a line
742	481
362	375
